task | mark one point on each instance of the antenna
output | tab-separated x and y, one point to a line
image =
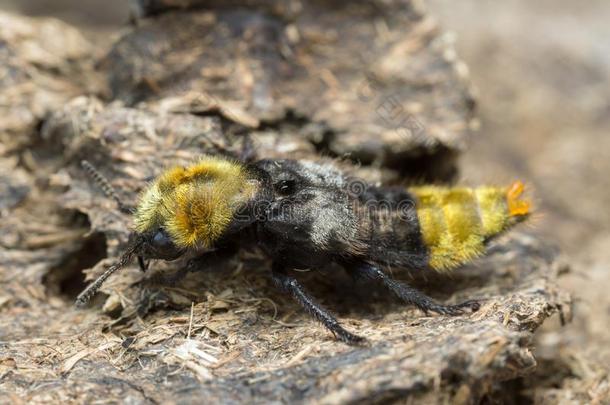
92	288
105	185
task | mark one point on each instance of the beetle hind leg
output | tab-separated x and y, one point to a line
409	294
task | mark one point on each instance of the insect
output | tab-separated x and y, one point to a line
304	215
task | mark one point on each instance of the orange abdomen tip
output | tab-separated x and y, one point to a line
517	206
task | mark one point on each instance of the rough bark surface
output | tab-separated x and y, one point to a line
379	80
43	63
191	82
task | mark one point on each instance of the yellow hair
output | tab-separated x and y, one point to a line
196	203
456	222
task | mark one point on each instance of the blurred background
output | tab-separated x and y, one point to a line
541	70
91	15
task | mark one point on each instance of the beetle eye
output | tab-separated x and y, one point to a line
160	239
285	187
162	242
161	246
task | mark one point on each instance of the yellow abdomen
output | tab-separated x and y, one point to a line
456	222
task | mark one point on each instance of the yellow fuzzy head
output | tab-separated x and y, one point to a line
195	204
